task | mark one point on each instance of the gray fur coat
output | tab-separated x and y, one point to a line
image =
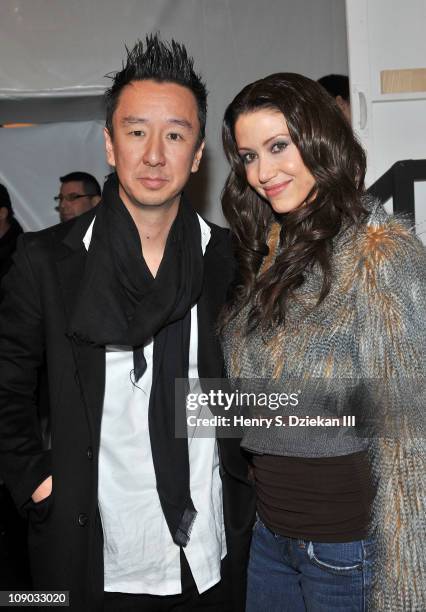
371	326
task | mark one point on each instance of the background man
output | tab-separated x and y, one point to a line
122	302
9	231
337	86
13	549
79	193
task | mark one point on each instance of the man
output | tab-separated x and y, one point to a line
79	193
13	550
9	231
122	302
337	85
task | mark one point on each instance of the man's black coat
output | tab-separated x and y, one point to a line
65	535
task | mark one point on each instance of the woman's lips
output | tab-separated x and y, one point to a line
152	183
274	190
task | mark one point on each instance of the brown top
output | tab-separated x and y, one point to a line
324	499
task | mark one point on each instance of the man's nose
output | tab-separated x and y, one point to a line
154	152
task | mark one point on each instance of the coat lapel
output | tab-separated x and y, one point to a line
90	360
219	270
218	273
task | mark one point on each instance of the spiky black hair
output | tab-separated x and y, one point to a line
161	61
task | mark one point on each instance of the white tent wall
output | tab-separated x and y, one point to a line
58	52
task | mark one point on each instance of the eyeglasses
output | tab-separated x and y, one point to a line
71	197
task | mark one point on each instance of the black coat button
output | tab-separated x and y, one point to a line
90	453
82	519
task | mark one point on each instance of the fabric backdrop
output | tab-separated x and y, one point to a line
56	55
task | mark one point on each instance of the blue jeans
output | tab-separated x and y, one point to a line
289	575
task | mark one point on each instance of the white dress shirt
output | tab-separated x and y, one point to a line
139	553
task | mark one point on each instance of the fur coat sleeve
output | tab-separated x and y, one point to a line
390	277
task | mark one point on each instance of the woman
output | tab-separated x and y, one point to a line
331	291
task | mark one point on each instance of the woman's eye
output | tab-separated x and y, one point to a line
137	133
278	147
175	136
247	158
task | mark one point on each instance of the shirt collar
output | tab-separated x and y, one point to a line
205	234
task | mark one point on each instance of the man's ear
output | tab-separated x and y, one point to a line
3	213
340	101
109	148
197	157
344	106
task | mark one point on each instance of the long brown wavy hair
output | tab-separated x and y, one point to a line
332	154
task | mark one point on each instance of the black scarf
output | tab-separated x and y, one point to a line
120	303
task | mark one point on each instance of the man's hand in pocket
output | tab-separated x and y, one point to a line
42	491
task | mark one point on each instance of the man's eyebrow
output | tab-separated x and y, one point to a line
182	122
131	119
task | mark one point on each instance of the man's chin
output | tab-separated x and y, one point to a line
155	200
